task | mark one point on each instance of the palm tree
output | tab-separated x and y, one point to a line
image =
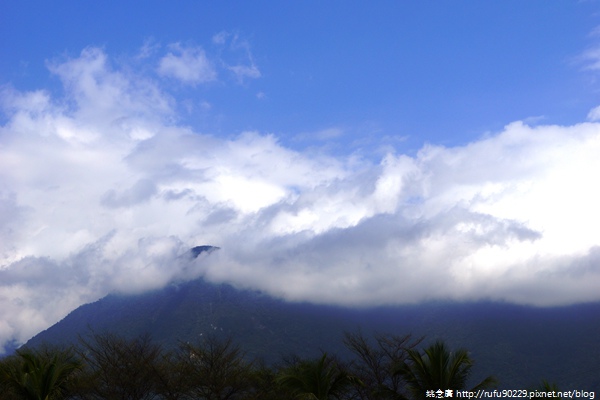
546	386
36	375
438	368
320	379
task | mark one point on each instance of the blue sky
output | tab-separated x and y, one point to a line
351	153
444	72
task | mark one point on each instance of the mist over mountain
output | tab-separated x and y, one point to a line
520	345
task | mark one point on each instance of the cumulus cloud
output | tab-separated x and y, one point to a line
101	191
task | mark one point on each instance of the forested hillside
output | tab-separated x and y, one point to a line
519	345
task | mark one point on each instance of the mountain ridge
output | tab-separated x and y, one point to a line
520	345
527	341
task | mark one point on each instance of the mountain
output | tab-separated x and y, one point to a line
519	345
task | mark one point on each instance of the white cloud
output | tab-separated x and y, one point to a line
221	38
329	133
245	71
238	57
594	114
590	59
325	134
187	64
149	48
105	96
102	191
191	65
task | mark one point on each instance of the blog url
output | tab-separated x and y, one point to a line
510	393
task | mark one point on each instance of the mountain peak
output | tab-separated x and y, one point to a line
197	250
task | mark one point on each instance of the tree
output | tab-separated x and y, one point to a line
375	363
321	379
171	378
39	375
265	383
121	369
438	368
216	370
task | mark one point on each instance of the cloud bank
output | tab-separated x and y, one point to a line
102	190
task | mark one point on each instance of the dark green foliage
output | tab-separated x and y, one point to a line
39	375
438	368
265	383
172	380
375	361
546	386
216	370
121	369
108	366
320	379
